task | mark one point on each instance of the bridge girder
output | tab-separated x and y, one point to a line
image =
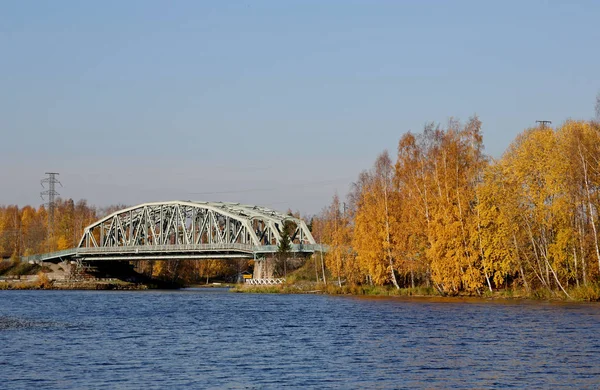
192	223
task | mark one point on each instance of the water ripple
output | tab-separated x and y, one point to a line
213	339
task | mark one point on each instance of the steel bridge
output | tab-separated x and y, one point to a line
187	230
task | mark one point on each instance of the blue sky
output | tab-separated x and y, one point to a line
279	103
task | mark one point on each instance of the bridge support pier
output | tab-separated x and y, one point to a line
263	268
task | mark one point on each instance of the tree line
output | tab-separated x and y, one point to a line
25	231
440	213
444	214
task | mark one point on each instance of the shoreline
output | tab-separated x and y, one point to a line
367	292
71	285
420	292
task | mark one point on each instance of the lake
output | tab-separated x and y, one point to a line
211	338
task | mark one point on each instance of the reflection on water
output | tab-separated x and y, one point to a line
213	339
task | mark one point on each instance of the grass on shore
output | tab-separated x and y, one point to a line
43	283
590	293
302	280
20	269
320	288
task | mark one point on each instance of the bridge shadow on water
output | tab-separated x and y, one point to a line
125	271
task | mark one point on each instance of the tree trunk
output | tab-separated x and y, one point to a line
323	267
556	277
520	264
487	278
387	229
316	270
590	209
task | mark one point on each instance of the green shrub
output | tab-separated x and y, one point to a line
23	269
541	293
4	267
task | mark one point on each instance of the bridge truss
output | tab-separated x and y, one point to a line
189	223
188	229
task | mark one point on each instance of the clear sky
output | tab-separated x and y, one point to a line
278	103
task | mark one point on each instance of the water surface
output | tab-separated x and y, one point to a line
210	338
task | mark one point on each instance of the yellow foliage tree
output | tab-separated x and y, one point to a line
376	223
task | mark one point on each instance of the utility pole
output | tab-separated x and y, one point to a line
543	123
322	262
51	194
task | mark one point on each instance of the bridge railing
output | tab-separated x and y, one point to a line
166	248
198	247
52	255
142	249
295	248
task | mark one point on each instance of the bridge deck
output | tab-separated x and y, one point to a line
166	252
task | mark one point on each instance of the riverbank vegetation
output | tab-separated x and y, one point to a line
444	215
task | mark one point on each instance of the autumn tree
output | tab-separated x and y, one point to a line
375	223
540	207
597	107
10	231
436	177
34	228
336	233
412	182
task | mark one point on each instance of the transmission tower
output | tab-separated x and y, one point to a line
543	123
49	195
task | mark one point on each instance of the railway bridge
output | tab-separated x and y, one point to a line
187	230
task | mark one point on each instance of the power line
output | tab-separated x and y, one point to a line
273	188
232	192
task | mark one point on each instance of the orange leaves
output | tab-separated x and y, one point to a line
376	223
445	215
24	231
545	190
416	217
452	163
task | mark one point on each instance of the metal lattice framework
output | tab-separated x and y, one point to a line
193	223
187	230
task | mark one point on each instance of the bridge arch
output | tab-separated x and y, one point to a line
193	223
